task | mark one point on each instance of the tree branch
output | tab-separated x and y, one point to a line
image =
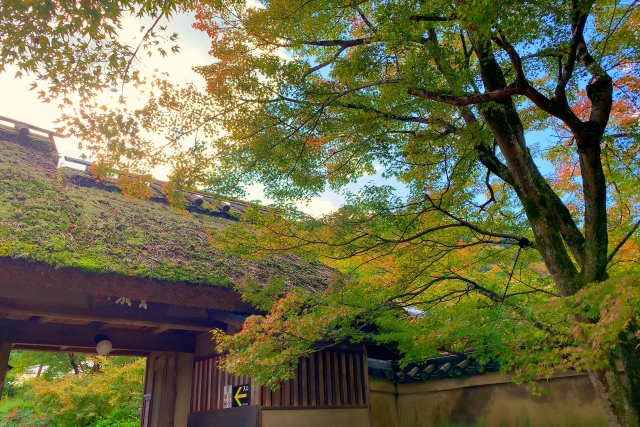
426	18
580	14
472	284
547	52
488	158
623	241
522	241
324	64
341	43
364	19
510	90
492	197
135	53
387	115
513	56
554	108
420	234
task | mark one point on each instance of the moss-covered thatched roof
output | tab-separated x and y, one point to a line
47	215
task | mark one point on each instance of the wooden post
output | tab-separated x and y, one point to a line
184	379
367	387
168	411
147	392
5	351
159	378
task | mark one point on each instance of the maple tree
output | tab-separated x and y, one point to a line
475	234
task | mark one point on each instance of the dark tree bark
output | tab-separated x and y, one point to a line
73	360
95	368
630	354
612	393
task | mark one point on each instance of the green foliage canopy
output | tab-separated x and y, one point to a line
445	98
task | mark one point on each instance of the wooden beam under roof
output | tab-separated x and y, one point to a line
47	283
113	315
233	319
159	330
82	350
60	335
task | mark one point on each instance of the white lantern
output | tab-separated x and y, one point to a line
104	346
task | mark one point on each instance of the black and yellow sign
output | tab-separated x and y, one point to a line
240	395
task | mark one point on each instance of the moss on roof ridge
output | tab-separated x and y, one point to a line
44	218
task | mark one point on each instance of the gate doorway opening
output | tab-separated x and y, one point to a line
47	389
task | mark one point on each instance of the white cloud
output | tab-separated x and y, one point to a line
317	207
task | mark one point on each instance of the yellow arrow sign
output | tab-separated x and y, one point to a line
239	395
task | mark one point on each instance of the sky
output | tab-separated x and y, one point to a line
21	104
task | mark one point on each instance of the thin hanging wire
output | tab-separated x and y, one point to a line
511	275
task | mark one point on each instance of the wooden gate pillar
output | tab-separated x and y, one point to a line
167	390
5	351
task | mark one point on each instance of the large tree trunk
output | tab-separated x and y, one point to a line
630	354
556	234
613	396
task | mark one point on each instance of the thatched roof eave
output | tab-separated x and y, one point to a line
63	220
